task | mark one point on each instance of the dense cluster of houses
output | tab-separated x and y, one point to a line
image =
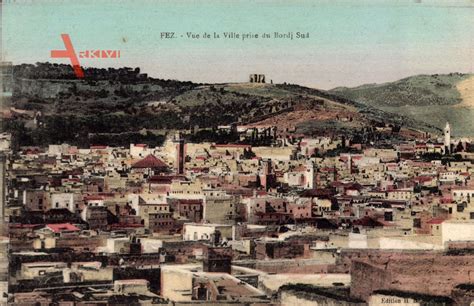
218	223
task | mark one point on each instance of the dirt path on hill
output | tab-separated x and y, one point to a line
466	89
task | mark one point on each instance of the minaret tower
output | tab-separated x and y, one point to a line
349	163
180	153
447	138
2	186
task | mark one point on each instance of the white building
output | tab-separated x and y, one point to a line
447	138
66	200
195	231
457	231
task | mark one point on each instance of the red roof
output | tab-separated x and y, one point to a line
32	150
125	225
160	180
149	162
423	178
19	225
106	194
446	200
166	179
74	179
190	201
436	221
327	169
232	145
199	169
470	188
57	228
93	198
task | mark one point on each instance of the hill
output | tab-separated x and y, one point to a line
420	90
116	106
432	99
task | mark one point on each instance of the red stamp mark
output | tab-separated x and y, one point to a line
70	53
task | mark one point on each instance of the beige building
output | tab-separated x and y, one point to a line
195	231
188	283
400	194
219	207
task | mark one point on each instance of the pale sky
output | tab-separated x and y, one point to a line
350	43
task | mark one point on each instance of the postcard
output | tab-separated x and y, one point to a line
237	152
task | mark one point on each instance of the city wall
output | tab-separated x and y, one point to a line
433	274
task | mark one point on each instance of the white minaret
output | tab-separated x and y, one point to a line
447	138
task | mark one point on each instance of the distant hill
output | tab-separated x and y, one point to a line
433	99
420	90
131	106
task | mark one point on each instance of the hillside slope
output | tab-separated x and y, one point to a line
432	99
118	101
420	90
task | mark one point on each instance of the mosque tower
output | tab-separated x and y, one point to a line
447	138
180	153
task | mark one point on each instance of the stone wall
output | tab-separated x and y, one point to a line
347	256
305	295
295	266
463	294
366	278
433	274
460	245
280	250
